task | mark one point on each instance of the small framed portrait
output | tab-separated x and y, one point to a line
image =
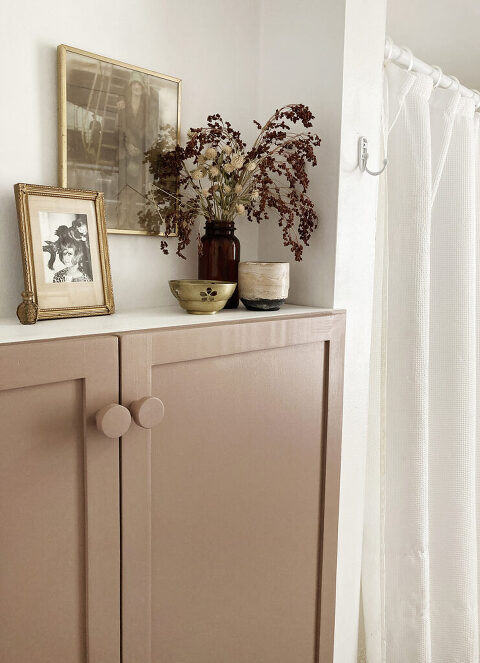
64	250
110	114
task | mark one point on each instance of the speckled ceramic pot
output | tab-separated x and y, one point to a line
263	286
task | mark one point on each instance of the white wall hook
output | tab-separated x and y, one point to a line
363	158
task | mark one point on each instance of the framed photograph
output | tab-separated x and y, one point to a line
65	252
110	114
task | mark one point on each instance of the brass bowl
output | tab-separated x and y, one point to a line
202	297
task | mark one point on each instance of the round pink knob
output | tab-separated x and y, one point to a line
147	412
113	420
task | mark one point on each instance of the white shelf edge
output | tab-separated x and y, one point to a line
164	317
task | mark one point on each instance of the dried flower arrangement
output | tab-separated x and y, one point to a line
216	177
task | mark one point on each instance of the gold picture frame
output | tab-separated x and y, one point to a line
82	128
67	268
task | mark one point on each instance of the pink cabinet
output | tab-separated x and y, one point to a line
59	503
229	505
228	479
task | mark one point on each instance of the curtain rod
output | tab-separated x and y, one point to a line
401	55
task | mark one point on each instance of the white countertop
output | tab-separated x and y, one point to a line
11	331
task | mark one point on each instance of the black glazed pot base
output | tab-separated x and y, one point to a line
263	304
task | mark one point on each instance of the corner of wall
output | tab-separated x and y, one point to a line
301	60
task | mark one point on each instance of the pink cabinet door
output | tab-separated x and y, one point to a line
230	504
59	504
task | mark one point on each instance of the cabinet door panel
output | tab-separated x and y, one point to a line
229	501
59	504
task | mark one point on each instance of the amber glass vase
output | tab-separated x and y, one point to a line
220	255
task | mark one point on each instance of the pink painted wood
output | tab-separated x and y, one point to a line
230	505
113	420
59	503
147	412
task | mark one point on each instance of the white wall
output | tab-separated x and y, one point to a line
440	32
354	273
301	61
212	46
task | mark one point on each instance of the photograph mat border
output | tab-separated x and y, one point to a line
62	50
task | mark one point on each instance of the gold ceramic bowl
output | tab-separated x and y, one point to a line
202	297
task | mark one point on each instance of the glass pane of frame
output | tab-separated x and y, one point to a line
111	113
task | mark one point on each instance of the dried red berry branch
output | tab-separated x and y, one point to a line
216	177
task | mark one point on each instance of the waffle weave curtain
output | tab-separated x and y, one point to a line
420	563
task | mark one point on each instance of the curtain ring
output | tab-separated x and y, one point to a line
477	104
409	52
439	78
454	80
389	45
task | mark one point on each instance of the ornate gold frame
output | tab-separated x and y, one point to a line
22	191
62	51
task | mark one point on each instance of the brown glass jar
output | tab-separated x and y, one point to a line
220	255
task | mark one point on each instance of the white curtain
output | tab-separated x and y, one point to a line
420	562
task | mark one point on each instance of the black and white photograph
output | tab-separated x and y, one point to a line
66	247
111	114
